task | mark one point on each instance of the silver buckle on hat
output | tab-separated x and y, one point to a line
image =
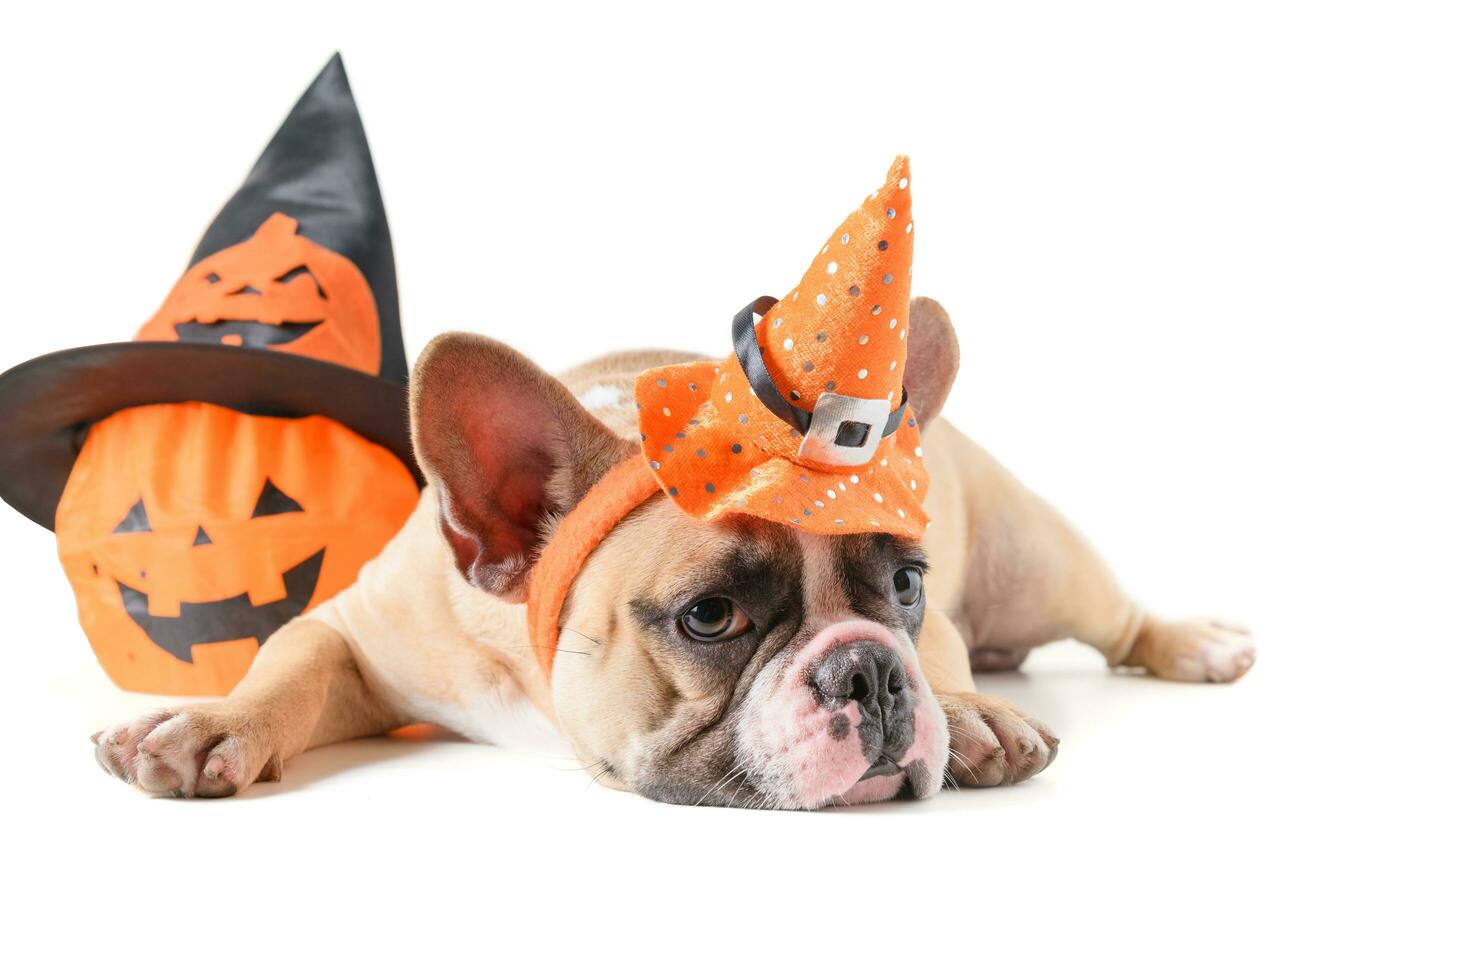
844	431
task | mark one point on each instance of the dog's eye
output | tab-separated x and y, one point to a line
713	618
908	585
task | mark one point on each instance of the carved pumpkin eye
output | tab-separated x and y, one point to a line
134	521
297	273
276	290
273	501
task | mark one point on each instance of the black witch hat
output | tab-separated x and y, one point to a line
317	171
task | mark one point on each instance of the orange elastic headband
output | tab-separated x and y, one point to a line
621	489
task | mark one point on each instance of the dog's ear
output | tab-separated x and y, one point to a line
933	361
507	448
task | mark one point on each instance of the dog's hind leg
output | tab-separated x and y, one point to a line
1029	578
304	690
993	660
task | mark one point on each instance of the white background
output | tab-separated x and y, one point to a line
1209	266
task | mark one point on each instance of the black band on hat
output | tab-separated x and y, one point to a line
753	363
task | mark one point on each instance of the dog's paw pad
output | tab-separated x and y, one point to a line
993	744
182	753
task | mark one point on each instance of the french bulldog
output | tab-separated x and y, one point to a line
734	662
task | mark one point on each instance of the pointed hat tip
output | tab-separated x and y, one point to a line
898	174
334	71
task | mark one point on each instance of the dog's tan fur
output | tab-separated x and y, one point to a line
414	641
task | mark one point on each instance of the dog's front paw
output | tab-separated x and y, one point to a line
991	743
1194	650
203	750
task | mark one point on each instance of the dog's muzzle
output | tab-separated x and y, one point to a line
871	676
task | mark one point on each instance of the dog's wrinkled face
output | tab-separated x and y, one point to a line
735	662
751	665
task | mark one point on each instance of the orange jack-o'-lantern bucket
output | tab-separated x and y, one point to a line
241	459
181	571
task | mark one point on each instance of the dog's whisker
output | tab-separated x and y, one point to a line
956	757
723	779
600	768
960	733
973	739
738	777
533	647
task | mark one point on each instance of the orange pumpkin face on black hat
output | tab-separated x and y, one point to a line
277	290
239	461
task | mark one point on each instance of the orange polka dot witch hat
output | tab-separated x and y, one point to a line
807	422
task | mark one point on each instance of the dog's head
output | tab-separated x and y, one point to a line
734	662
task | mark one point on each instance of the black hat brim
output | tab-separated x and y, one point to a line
46	403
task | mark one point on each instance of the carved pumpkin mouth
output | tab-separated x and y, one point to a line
235	618
245	333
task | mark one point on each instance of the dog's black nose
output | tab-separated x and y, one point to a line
872	676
